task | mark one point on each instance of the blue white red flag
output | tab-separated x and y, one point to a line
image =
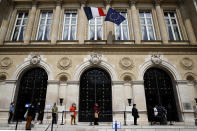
92	12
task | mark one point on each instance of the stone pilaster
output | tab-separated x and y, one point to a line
5	24
31	19
187	22
82	23
162	25
55	29
135	21
109	26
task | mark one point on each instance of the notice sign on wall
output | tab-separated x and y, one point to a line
116	125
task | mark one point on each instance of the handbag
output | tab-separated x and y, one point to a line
95	115
25	115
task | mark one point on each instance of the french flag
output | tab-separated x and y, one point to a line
92	12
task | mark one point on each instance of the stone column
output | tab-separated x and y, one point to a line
187	22
128	91
55	29
31	19
5	23
109	26
135	21
140	100
62	90
162	25
82	23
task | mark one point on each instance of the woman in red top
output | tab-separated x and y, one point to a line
73	113
96	114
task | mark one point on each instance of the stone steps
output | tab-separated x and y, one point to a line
47	127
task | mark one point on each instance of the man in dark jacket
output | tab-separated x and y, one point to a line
135	114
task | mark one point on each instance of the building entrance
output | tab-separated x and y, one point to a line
32	90
95	87
159	90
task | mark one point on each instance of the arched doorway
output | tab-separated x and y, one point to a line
159	90
32	90
95	87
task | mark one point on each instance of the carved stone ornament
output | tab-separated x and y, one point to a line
5	63
126	63
187	63
156	59
95	58
35	59
64	63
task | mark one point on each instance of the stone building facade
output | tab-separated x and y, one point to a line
49	50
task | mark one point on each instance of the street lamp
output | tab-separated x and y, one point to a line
129	101
61	101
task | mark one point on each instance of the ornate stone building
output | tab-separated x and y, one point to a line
50	51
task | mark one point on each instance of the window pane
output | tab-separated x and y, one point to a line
20	15
176	32
166	14
18	22
118	33
40	33
99	32
74	14
26	15
43	15
67	20
47	32
73	21
148	14
49	21
151	33
125	33
42	22
65	35
167	21
24	21
141	14
92	32
99	21
142	21
73	30
149	21
92	21
173	21
171	14
21	33
67	14
49	15
144	33
170	33
16	31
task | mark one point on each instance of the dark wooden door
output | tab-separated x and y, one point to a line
32	90
159	90
95	87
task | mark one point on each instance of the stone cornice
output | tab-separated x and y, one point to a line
100	47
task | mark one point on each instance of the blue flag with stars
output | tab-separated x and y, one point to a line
114	17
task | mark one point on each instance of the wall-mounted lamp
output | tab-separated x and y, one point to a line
129	101
61	101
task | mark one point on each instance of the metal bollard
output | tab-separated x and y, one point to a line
16	124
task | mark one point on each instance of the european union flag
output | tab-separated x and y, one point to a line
114	16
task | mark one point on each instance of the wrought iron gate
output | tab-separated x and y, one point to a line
95	87
159	90
32	89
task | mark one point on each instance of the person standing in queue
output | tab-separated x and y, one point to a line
11	112
54	113
135	114
30	116
73	113
96	114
